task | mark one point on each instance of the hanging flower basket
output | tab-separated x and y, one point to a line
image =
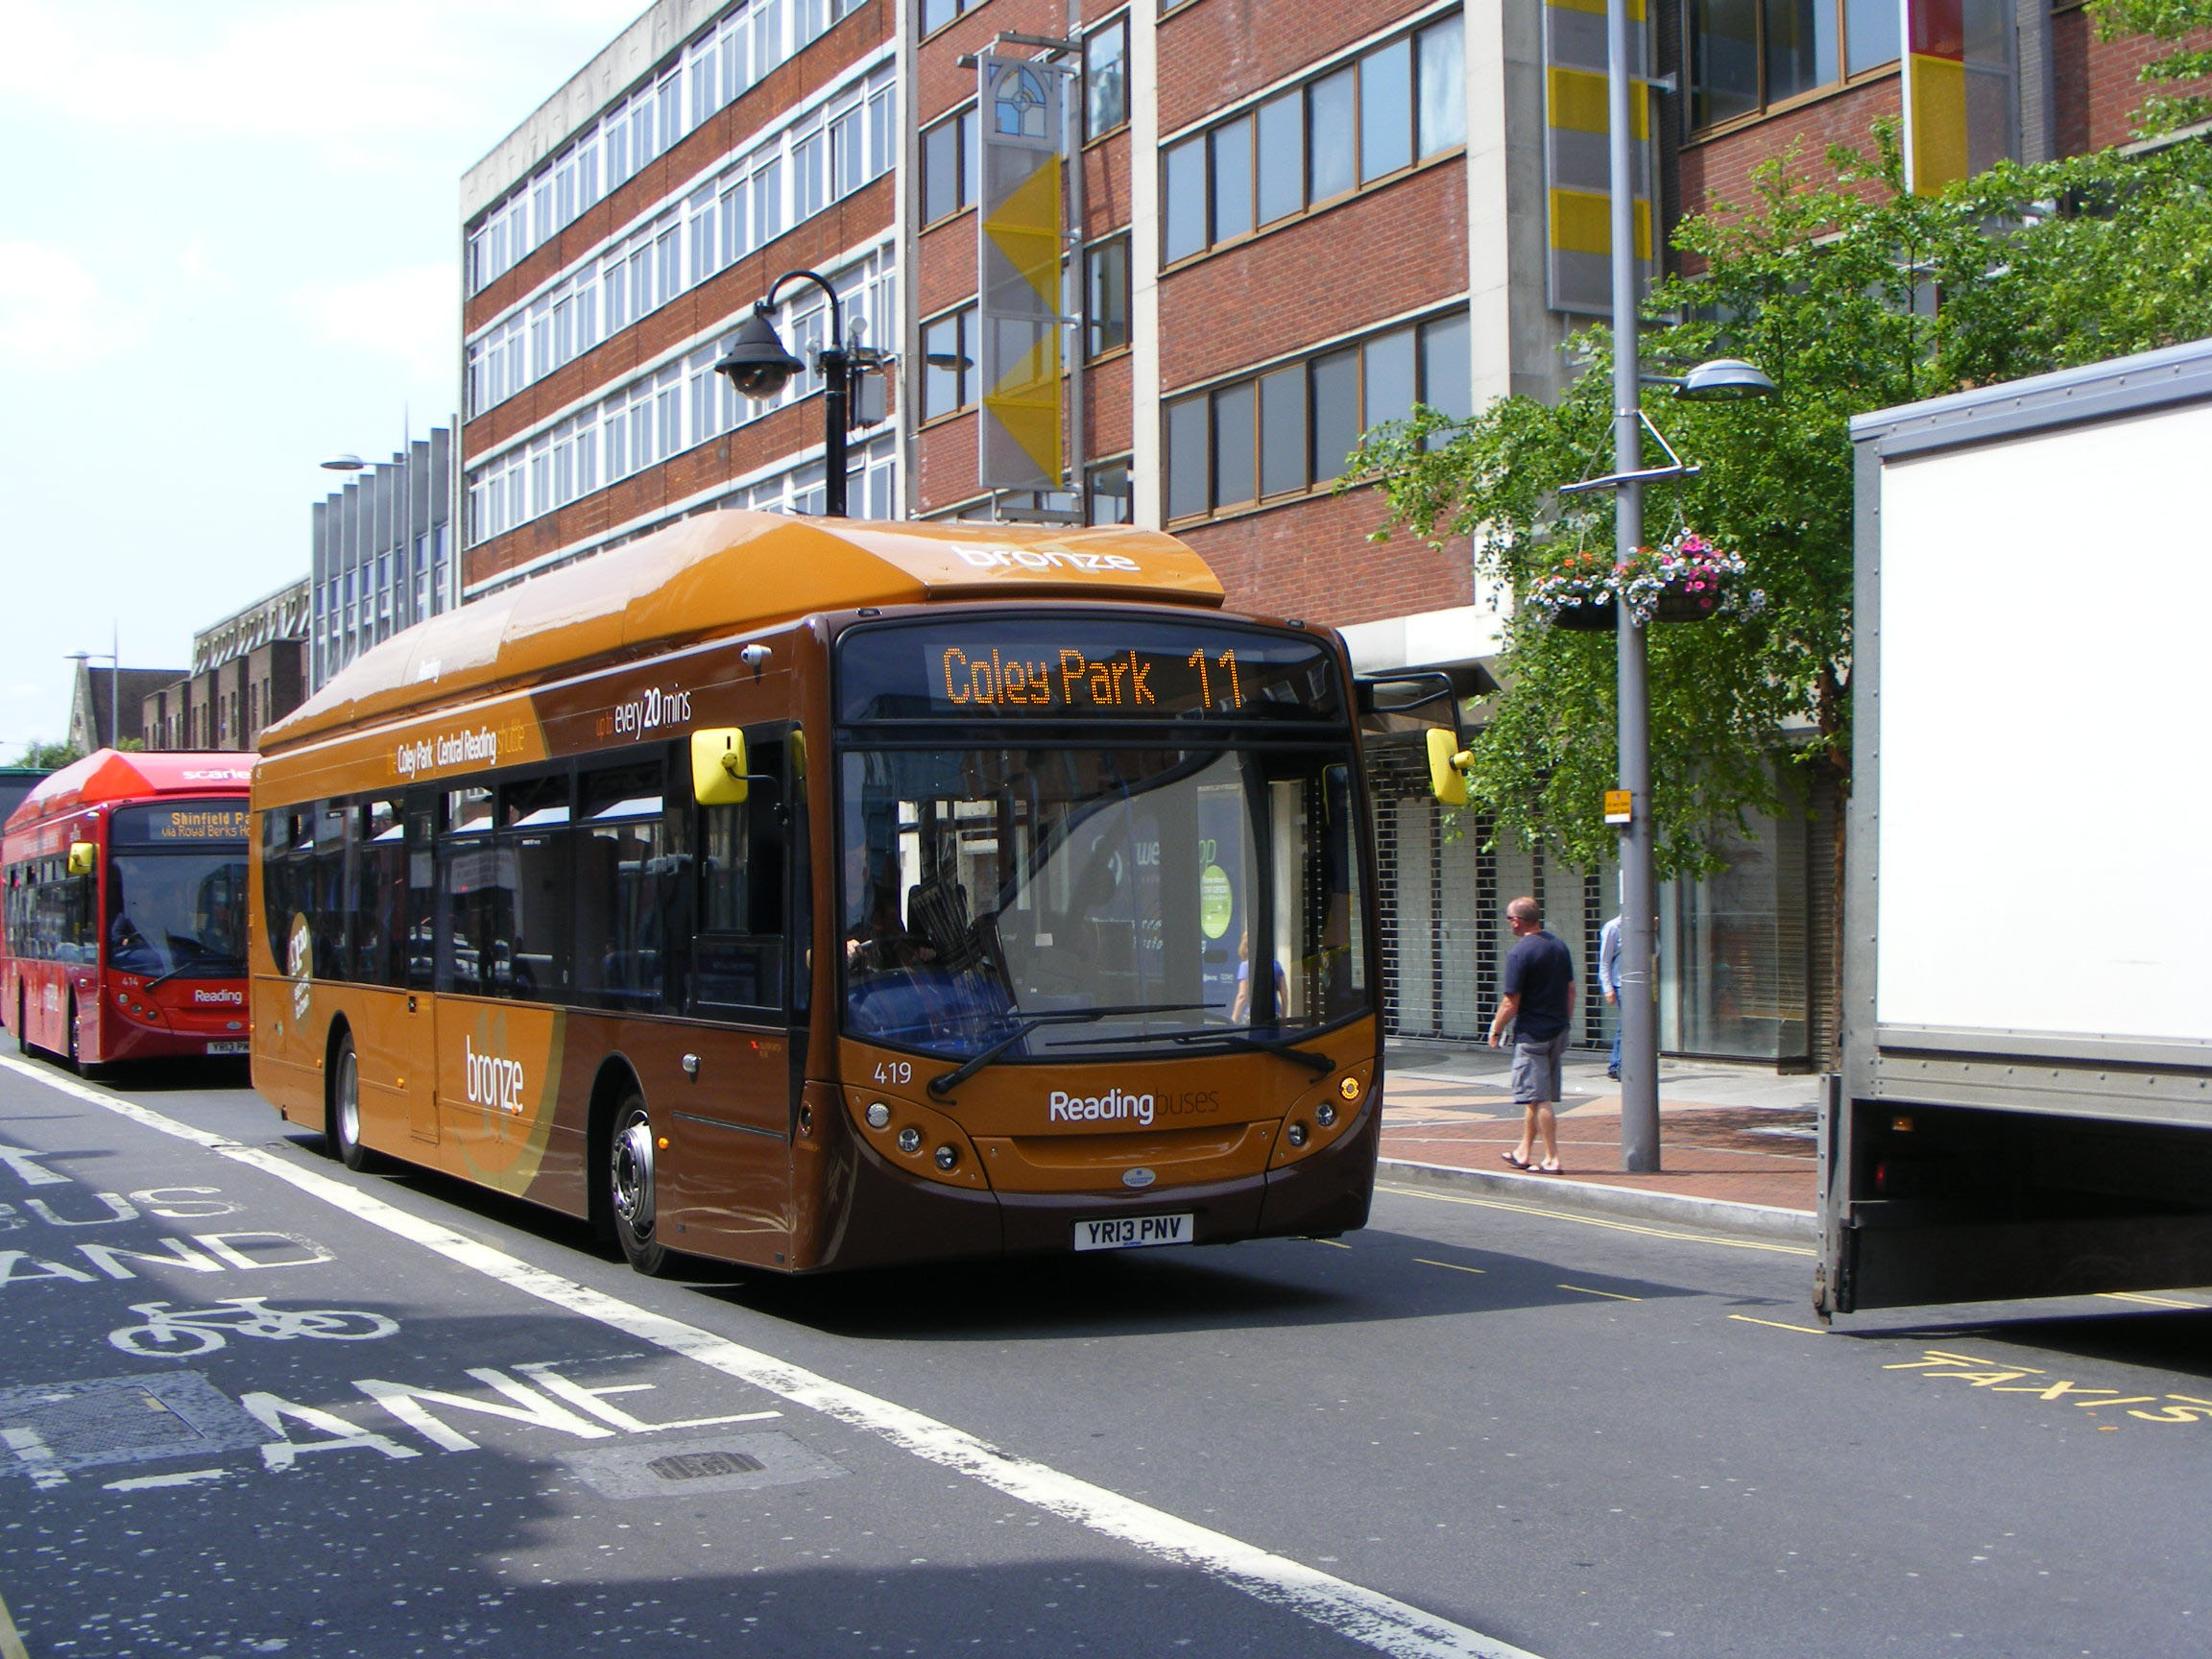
1686	579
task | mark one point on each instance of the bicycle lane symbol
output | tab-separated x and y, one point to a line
177	1332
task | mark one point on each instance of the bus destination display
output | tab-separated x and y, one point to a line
182	824
1084	669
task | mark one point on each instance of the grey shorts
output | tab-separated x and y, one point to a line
1536	1070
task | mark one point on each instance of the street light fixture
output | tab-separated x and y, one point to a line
760	366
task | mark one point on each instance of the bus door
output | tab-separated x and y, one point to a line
732	1118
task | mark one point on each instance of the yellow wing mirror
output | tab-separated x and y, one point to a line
1448	765
718	769
84	857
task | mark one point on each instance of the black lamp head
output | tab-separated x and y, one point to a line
758	364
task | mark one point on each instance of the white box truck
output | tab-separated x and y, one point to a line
2025	1107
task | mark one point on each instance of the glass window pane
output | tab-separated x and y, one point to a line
1233	445
1447	370
1110	498
1870	29
1184	200
1390	377
1186	459
944	360
1443	86
1330	144
1335	412
1282	160
1105	78
1800	47
1386	110
1109	296
940	170
1282	431
1724	59
1233	179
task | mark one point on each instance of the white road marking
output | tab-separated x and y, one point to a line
151	1482
1351	1610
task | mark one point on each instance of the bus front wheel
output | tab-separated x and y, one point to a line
630	1167
77	1062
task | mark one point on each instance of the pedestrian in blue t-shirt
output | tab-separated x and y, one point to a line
1538	1008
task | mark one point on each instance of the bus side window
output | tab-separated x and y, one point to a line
421	951
623	863
468	890
329	915
531	931
380	911
739	956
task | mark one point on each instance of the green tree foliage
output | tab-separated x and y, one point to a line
2171	22
1852	295
47	757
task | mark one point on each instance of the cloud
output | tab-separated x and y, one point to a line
53	313
410	315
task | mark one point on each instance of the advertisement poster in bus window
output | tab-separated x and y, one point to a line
1220	884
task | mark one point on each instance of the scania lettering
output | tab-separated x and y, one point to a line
813	895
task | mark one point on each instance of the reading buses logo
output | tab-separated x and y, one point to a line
298	962
493	1081
1122	1106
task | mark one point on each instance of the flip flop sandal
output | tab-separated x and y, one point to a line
1550	1166
1517	1161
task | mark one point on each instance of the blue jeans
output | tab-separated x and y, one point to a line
1613	1060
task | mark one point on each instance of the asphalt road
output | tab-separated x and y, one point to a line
400	1417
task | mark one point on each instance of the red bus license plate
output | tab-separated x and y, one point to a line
227	1046
1133	1232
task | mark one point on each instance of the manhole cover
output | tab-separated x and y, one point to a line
721	1463
698	1465
46	1430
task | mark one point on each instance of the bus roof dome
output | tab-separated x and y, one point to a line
118	775
730	572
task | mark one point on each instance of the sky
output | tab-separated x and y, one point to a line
230	249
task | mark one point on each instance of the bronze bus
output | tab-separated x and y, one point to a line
810	895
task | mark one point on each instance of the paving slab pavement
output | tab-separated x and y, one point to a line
1737	1142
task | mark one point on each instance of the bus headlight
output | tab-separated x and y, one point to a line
878	1115
1297	1134
947	1157
1325	1115
909	1138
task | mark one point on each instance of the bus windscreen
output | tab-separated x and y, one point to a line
1083	668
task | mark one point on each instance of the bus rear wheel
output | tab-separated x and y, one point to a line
343	1133
629	1167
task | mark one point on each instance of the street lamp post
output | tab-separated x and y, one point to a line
760	366
1723	379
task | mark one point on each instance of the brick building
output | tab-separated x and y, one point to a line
1295	222
248	670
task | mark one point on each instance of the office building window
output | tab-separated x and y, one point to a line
1367	121
1106	78
1287	430
1746	55
948	363
1107	495
1106	286
936	13
949	166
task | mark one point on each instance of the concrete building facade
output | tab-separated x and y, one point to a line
248	670
382	554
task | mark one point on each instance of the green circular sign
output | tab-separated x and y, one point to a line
1216	905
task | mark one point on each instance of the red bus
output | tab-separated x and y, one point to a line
125	885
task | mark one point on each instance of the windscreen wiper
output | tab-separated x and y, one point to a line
1240	1037
168	974
945	1082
